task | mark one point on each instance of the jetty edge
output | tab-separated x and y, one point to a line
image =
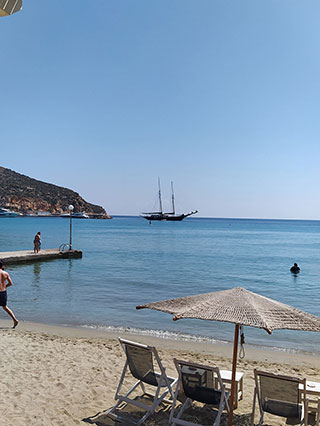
24	256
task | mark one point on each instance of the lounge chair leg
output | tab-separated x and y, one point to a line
221	408
261	420
254	406
175	397
217	419
182	408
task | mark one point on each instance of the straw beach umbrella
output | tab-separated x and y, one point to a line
240	307
8	7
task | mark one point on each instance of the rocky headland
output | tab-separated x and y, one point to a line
30	196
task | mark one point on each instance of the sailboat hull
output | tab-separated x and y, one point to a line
152	217
167	216
163	217
176	218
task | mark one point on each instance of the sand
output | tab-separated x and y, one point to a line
68	376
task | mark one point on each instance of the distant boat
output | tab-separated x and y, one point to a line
8	213
161	215
78	215
43	214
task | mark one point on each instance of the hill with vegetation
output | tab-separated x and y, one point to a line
26	195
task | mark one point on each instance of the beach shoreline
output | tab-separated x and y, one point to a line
221	349
56	375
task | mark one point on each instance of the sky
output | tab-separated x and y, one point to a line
219	96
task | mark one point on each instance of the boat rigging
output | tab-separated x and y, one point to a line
161	215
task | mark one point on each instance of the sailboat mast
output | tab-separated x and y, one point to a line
172	196
160	201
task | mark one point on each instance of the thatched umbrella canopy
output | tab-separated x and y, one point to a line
240	307
8	7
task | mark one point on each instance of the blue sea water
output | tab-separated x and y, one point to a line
127	262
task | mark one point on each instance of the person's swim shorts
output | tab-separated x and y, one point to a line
3	298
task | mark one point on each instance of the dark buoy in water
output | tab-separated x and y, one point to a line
295	268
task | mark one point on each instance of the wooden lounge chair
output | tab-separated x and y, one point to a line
140	363
200	383
280	396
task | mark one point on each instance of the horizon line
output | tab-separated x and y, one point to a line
226	218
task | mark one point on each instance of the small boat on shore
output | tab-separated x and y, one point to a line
169	216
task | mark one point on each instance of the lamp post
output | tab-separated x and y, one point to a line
70	208
8	7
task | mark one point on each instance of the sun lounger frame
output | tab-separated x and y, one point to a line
217	385
165	384
294	382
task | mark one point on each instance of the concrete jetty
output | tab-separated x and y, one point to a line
14	257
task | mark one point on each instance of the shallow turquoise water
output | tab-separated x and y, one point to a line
127	262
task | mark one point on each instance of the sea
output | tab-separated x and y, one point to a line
128	262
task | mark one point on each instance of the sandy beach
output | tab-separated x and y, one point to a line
68	376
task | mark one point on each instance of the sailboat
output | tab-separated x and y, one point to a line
161	215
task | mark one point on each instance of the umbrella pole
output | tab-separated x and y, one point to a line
234	369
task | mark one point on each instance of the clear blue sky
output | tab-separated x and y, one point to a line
220	96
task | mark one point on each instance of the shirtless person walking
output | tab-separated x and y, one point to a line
5	281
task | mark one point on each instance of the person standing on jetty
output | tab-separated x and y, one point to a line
37	243
5	281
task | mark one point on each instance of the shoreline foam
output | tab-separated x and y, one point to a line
219	348
170	335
